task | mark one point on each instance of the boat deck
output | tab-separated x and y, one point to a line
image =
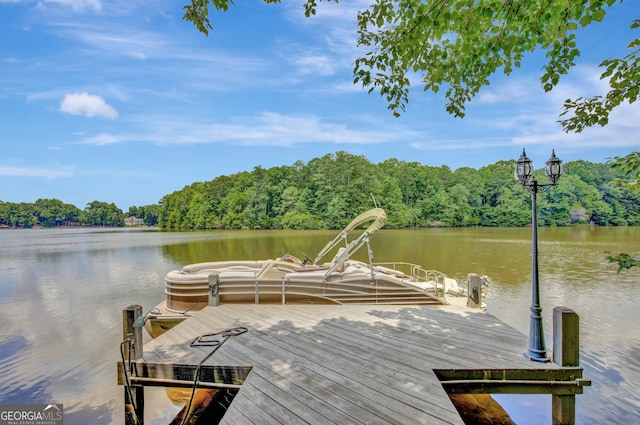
351	364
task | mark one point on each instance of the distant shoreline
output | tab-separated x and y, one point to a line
81	226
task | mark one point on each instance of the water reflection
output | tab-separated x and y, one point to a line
62	292
60	304
228	245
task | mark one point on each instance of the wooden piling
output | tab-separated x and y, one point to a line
566	353
474	288
132	350
214	289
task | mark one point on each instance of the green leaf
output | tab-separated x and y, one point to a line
585	20
598	15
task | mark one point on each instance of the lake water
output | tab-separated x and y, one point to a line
62	292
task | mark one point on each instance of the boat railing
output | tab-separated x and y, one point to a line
283	291
416	272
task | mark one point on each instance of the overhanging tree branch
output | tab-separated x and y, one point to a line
624	81
461	43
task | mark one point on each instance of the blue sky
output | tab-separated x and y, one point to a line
124	102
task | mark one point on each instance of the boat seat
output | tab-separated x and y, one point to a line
235	276
311	268
392	272
336	260
212	266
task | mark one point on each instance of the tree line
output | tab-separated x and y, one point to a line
327	192
55	213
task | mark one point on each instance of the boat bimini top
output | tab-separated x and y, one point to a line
378	218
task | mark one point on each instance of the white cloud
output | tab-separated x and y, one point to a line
270	128
333	31
275	129
88	105
102	140
47	173
138	55
78	5
461	144
316	65
263	129
490	97
347	86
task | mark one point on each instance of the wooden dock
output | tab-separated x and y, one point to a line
369	364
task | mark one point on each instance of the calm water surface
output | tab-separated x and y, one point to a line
62	292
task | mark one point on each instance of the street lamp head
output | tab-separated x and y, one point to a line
524	168
553	168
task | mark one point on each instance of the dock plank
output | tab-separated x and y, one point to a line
331	370
372	384
345	364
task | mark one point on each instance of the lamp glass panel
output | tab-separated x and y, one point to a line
554	169
524	169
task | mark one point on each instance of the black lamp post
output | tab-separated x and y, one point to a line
524	174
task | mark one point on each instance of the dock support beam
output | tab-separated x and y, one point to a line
566	353
133	394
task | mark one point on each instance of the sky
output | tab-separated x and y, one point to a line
124	102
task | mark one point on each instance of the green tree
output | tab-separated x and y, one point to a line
585	200
4	213
460	205
293	211
197	213
435	209
53	212
510	206
174	208
99	213
629	166
234	205
461	44
501	201
342	185
289	199
17	215
391	200
554	206
148	213
613	194
328	191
